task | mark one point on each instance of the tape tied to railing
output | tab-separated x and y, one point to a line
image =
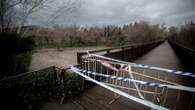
126	79
141	101
189	74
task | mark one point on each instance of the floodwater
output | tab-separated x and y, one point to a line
96	97
161	56
52	57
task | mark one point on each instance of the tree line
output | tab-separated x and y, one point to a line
15	45
183	35
71	36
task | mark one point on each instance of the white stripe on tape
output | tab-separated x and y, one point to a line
141	101
146	66
184	88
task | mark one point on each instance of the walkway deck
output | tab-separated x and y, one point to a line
161	56
97	98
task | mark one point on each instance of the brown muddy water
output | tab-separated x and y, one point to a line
43	58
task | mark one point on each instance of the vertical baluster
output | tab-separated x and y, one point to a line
177	100
107	73
166	90
95	68
88	66
191	102
155	92
115	81
84	68
142	87
165	98
101	71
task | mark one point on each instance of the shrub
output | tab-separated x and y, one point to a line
22	62
33	90
15	56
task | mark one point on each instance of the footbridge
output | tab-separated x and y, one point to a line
151	87
146	76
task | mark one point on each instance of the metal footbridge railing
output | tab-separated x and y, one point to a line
150	86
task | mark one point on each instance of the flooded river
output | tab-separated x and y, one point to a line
161	56
52	57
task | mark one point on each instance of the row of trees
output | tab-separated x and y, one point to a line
60	36
15	49
184	35
15	14
15	46
15	54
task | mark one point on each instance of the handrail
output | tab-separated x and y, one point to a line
108	50
182	46
23	74
120	47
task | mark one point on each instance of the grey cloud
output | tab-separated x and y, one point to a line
117	12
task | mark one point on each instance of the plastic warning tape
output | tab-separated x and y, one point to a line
141	101
145	66
151	84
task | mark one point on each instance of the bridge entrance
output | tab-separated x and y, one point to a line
148	86
98	98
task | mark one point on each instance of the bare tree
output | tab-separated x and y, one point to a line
6	13
68	6
16	12
26	8
21	10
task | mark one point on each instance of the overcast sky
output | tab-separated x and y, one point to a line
119	12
